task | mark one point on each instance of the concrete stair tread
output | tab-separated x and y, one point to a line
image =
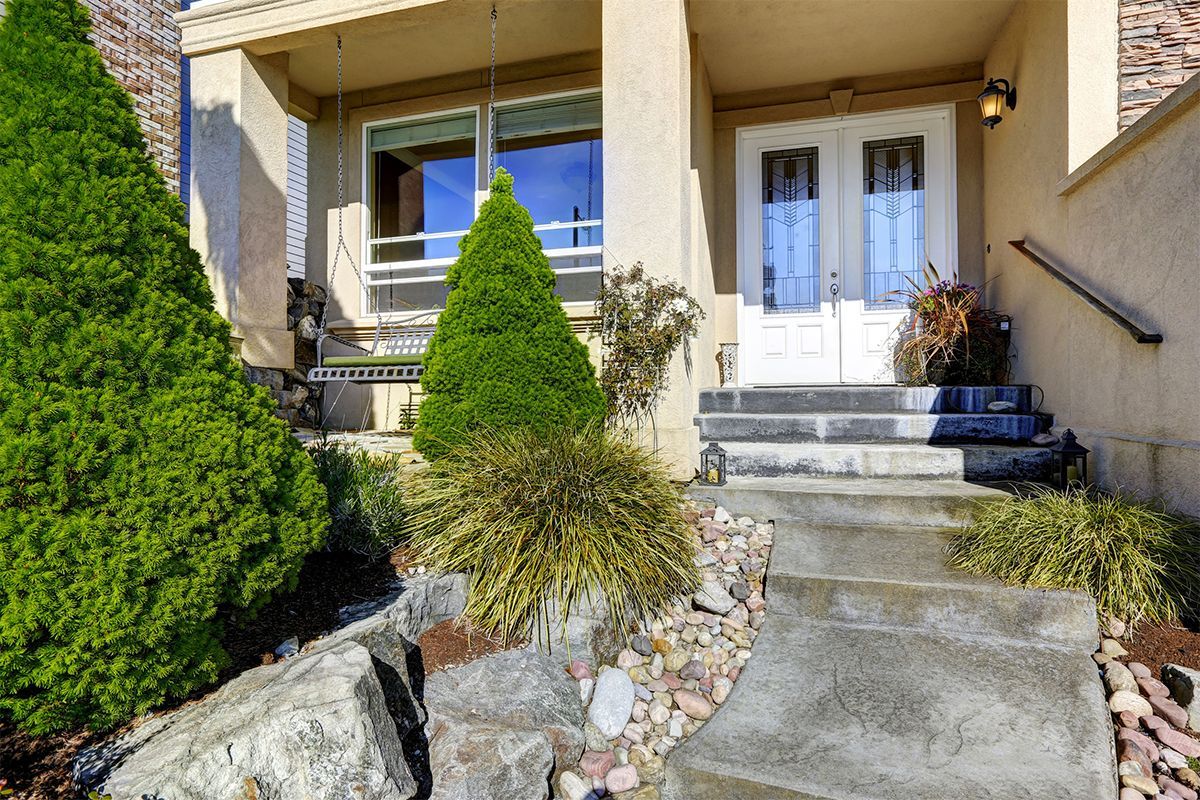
877	447
833	711
898	576
908	487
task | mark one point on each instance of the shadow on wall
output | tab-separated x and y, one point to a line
229	189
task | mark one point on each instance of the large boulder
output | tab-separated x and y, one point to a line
310	727
328	723
389	629
502	727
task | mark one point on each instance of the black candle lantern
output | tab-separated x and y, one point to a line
712	465
1069	460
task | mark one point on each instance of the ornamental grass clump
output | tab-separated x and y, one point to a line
1140	563
146	489
366	497
553	518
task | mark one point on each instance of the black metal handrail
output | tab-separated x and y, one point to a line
1139	335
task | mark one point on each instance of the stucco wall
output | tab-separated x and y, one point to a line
1129	233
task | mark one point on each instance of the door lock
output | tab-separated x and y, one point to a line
833	289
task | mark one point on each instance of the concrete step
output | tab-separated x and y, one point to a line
811	399
850	501
897	576
945	462
829	711
868	428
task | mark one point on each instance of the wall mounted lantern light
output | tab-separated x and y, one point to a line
995	96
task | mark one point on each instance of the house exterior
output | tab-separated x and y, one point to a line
788	161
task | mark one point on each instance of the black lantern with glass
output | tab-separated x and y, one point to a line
712	465
1069	462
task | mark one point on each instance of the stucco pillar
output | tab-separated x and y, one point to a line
239	202
647	173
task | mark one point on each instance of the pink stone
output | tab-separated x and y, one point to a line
1152	688
580	670
1168	785
1179	742
1139	669
708	513
595	764
1130	751
1131	794
672	680
733	673
1141	740
694	704
1127	719
621	779
1169	710
1153	723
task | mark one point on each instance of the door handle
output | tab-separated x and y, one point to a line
833	290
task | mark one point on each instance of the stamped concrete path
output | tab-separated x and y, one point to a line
882	674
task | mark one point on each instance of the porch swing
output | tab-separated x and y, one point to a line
399	344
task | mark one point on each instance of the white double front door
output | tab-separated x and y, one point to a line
834	216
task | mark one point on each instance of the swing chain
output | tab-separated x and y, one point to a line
492	104
341	246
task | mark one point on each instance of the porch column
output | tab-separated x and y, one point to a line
239	201
647	182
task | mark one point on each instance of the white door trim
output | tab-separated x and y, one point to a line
750	137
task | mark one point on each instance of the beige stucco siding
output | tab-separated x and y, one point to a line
1124	234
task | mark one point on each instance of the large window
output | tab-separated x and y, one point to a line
425	176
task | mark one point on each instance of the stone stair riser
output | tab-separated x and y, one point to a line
976	463
862	398
834	428
1062	619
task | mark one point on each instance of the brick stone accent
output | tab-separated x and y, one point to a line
1159	50
140	44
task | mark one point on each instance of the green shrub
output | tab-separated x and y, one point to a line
503	353
366	497
1140	563
547	518
145	487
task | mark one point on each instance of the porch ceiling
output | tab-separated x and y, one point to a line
750	45
444	38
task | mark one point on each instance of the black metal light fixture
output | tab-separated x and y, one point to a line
995	96
1069	461
712	465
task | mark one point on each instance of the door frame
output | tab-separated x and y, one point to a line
746	139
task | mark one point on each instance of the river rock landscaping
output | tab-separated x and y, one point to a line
678	669
1155	719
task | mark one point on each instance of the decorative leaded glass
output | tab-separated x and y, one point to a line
791	243
893	216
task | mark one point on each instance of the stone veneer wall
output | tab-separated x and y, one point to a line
299	401
1159	50
140	45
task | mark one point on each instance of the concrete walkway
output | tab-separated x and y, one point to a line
882	674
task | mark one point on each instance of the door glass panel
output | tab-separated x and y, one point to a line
791	245
893	217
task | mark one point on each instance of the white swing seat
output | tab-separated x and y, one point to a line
394	357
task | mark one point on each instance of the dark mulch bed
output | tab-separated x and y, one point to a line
450	644
1155	645
39	767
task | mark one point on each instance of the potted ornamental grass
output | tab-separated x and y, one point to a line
951	338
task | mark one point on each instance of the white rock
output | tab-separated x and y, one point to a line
612	702
713	597
585	690
573	787
721	515
1128	701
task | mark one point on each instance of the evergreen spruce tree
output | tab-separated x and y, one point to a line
145	488
503	353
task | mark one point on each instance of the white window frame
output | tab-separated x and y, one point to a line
373	274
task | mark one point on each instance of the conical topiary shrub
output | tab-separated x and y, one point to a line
503	353
145	488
